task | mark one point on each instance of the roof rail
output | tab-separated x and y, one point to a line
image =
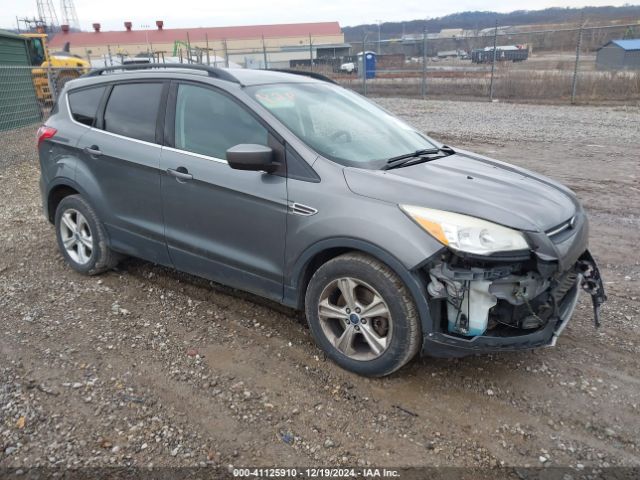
212	71
317	76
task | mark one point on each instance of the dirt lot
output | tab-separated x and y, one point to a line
147	366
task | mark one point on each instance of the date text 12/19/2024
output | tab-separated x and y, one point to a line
315	473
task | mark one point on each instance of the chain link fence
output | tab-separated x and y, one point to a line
27	94
550	66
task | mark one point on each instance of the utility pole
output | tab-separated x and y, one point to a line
379	41
310	52
493	64
574	85
424	63
226	53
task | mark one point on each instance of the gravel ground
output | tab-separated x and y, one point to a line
147	366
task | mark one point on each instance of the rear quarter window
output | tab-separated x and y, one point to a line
132	110
84	104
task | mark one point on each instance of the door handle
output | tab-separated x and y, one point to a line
93	150
180	173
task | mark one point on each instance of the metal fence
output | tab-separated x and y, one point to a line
558	66
27	94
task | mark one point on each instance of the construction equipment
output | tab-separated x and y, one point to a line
53	69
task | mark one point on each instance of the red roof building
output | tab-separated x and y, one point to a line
244	45
163	35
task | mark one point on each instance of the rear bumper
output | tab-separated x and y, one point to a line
443	345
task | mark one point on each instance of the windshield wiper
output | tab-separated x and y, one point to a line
418	156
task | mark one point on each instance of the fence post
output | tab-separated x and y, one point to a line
574	84
52	84
206	39
364	65
493	64
264	53
424	64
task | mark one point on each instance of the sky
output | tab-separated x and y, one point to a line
210	13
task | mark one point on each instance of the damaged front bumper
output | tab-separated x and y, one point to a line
479	307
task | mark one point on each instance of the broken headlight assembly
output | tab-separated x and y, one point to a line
473	295
467	234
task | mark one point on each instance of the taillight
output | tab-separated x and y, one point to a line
45	133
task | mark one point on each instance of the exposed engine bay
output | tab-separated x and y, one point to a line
472	297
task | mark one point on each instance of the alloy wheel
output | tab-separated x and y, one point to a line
355	318
76	236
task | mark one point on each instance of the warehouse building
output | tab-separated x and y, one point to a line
619	55
245	45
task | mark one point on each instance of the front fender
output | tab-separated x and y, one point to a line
293	290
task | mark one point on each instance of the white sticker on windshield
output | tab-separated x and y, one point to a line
277	99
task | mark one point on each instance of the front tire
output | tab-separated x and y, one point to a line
362	315
82	239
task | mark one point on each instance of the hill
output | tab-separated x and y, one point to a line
480	20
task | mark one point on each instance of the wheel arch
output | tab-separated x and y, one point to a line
316	255
56	194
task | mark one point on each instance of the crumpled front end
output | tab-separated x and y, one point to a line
499	303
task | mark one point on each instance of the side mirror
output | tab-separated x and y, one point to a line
248	156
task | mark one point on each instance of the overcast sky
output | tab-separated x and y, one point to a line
209	13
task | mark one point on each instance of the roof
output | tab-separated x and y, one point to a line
170	35
8	34
628	45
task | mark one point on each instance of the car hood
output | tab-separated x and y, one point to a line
472	185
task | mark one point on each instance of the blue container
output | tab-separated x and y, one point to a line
369	63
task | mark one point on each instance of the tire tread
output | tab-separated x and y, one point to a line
411	312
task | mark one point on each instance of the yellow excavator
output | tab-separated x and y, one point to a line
65	67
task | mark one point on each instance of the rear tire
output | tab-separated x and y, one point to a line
362	315
82	239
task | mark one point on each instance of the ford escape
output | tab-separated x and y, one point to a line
295	189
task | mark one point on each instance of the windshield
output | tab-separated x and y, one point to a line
339	124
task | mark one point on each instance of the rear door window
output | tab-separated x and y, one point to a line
84	104
132	110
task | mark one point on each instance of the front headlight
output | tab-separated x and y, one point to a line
465	233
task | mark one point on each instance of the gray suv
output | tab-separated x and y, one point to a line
293	188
